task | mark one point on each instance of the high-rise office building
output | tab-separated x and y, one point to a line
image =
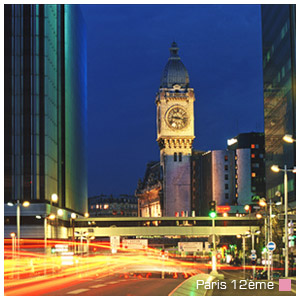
45	110
234	176
279	76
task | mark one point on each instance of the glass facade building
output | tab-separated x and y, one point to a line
279	75
45	105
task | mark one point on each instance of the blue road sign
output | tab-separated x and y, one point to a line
253	256
271	246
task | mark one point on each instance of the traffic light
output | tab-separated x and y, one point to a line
212	209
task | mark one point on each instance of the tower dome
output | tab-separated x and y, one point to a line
174	71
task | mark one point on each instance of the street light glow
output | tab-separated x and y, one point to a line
54	197
38	217
288	138
51	217
258	216
26	203
275	168
60	212
10	204
73	215
86	214
246	207
13	235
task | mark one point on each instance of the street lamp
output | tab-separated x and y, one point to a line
243	236
288	138
276	169
18	205
73	217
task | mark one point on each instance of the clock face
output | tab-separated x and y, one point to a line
177	118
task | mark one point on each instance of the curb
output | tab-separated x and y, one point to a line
188	287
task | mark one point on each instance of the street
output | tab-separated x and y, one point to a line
120	286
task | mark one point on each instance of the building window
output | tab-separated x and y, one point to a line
261	155
226	186
252	146
226	196
253	174
175	156
236	195
226	176
180	156
97	206
252	155
105	206
226	167
226	157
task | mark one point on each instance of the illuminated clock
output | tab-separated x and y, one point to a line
177	118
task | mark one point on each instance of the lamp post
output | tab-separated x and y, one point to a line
243	236
73	217
18	205
276	169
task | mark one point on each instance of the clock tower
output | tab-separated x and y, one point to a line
175	134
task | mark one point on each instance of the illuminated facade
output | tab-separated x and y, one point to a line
233	176
149	192
109	205
175	134
279	75
45	108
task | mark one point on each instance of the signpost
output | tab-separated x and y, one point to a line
190	246
135	244
271	247
114	243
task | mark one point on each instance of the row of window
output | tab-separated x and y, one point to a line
179	156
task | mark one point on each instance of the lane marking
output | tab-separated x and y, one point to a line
112	282
97	286
78	291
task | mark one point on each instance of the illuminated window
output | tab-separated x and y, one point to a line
235	157
226	157
236	185
105	206
252	146
97	206
253	174
252	155
236	195
92	206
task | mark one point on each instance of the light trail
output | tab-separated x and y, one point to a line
38	274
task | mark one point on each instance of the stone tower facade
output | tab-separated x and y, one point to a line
175	134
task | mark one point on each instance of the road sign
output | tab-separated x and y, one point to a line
135	243
253	256
217	239
190	246
271	246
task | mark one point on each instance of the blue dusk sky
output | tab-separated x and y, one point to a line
128	48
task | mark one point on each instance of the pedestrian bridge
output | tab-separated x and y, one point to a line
165	226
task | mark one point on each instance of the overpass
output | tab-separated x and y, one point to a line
164	226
